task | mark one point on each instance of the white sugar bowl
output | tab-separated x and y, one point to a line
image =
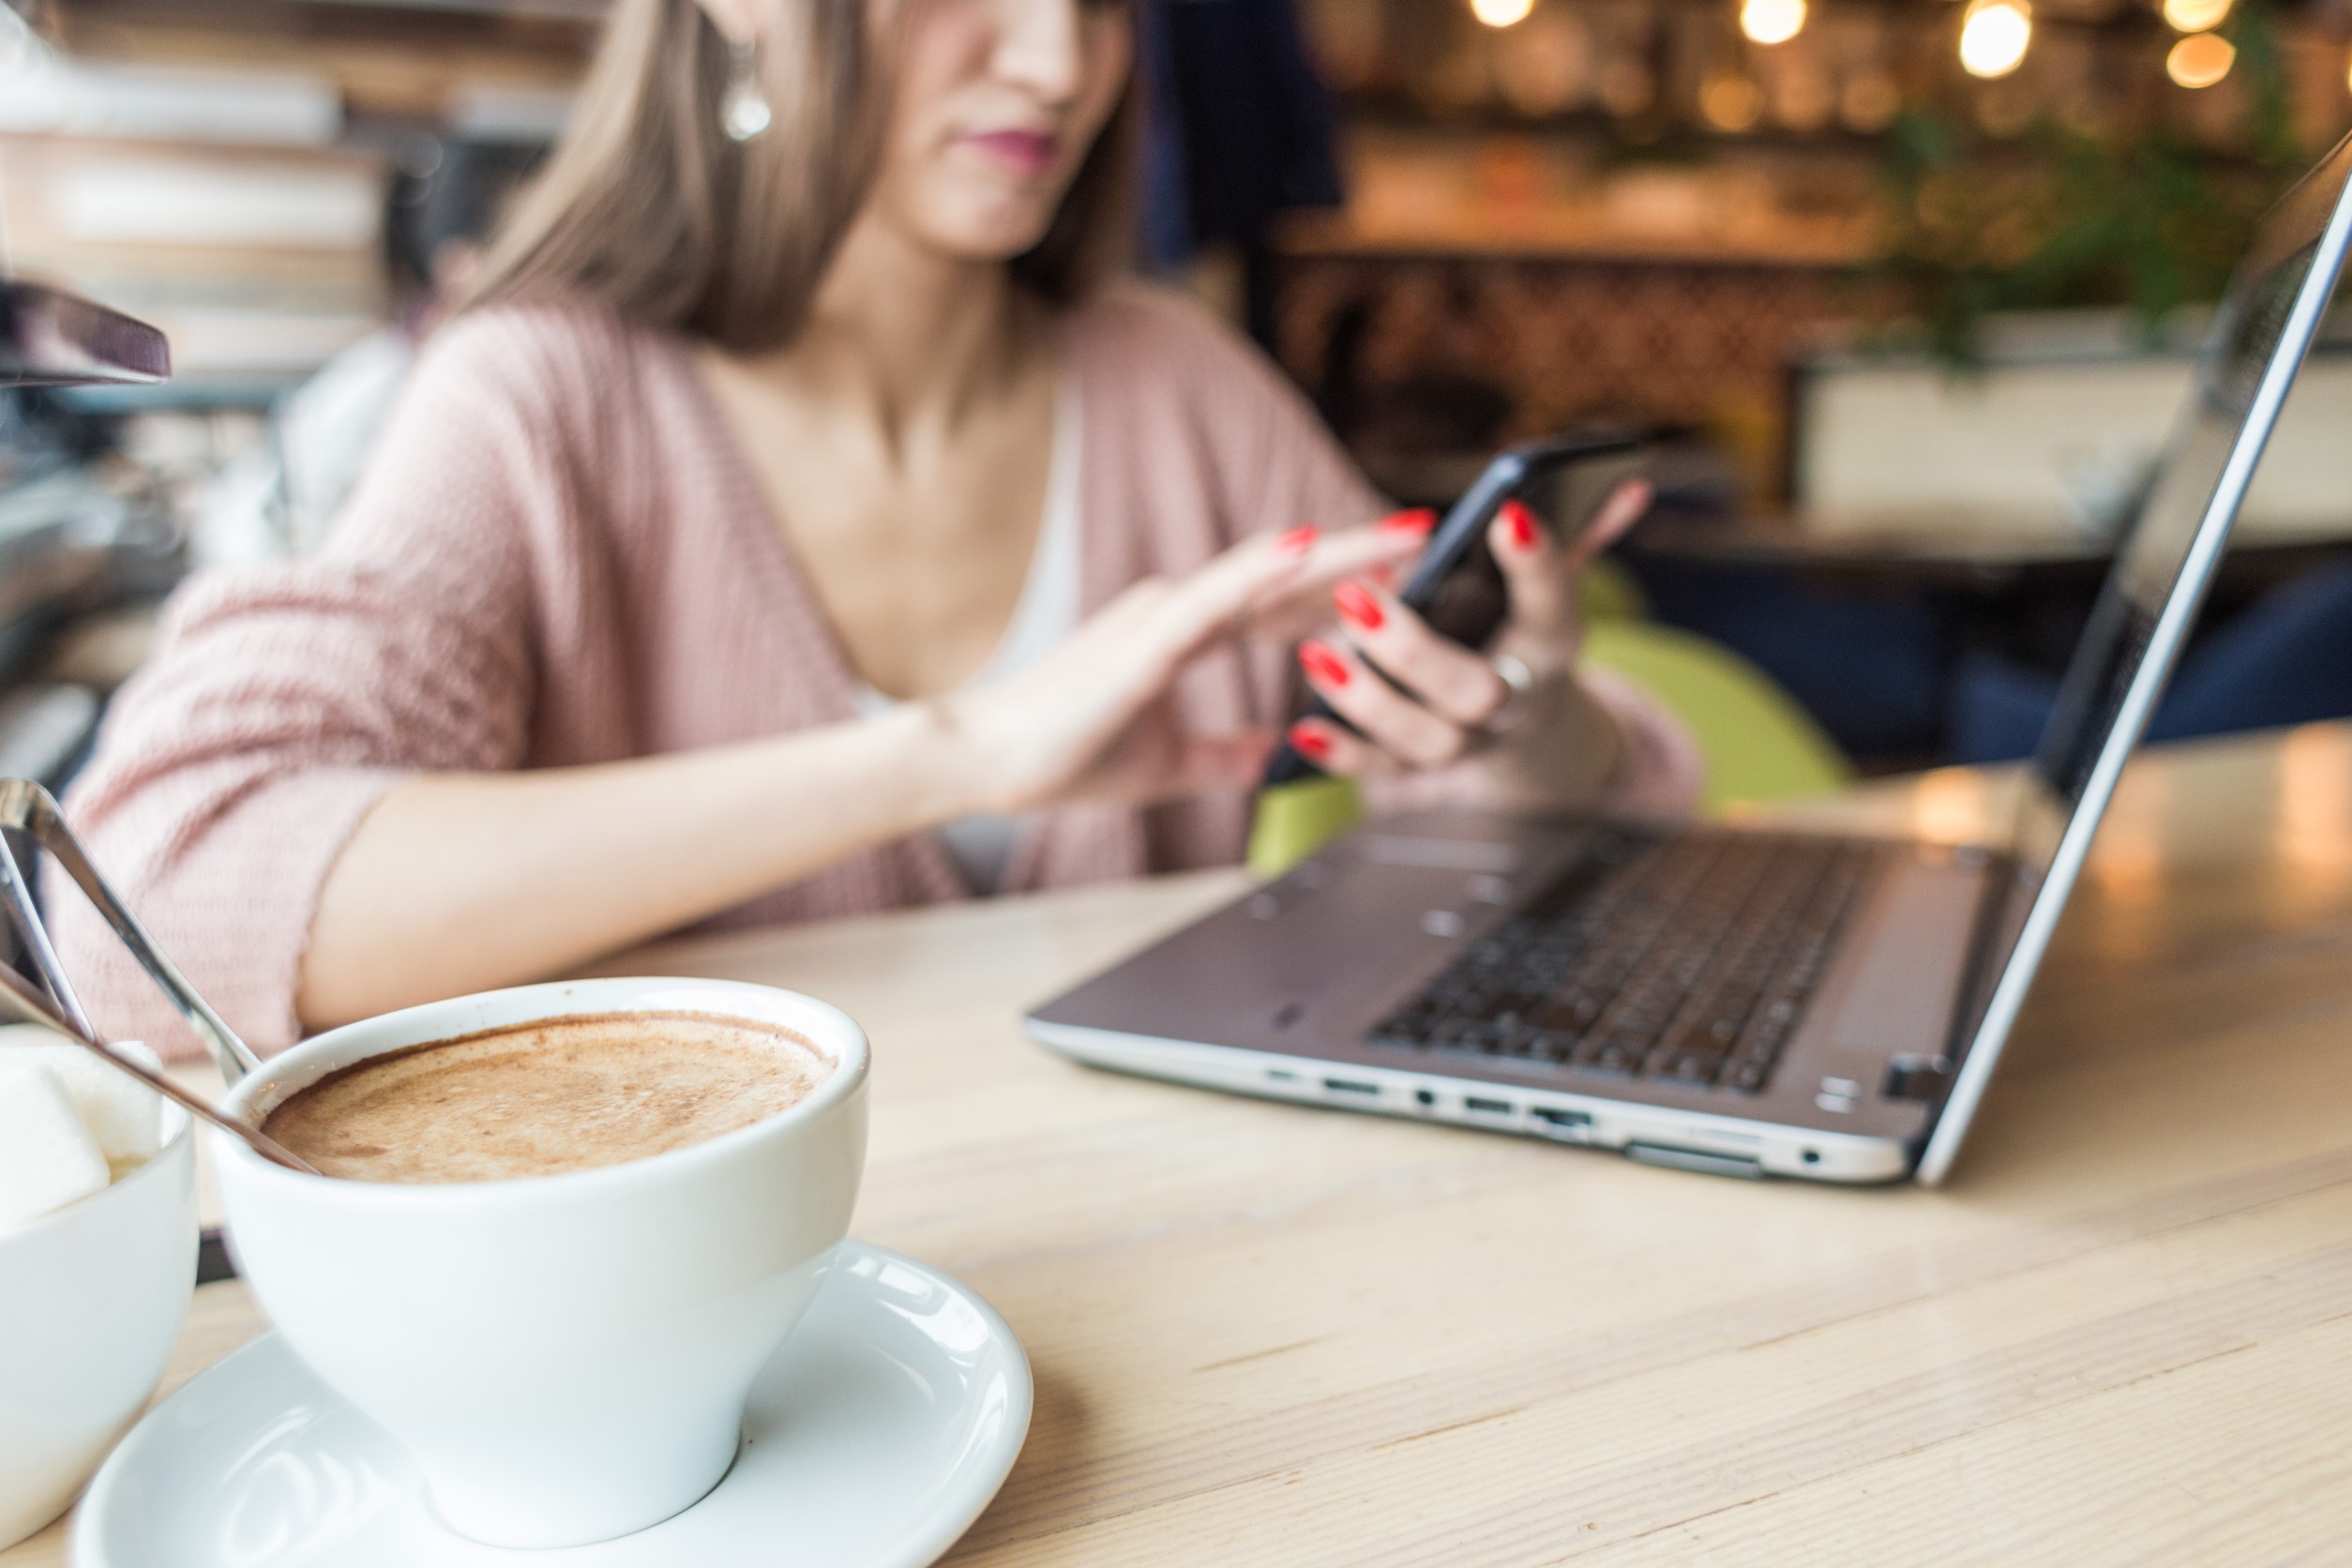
92	1300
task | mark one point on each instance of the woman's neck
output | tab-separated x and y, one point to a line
903	443
906	337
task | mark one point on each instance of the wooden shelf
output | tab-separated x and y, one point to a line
410	58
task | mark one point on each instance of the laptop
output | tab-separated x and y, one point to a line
1737	1001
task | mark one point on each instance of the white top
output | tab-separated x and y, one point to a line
1046	611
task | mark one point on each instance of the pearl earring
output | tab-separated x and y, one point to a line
743	108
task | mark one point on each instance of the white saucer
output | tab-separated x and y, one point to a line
883	1427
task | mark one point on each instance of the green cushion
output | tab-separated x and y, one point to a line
1294	821
1759	744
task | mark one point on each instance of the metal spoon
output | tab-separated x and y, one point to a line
18	993
28	807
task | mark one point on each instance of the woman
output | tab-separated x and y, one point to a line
796	524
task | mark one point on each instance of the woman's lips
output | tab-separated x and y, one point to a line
1024	152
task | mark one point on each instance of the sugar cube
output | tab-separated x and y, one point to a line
122	1114
48	1158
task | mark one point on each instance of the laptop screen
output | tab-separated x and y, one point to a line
2247	335
2261	332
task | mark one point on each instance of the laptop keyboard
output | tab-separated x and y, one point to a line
1680	960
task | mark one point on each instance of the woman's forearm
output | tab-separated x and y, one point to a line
456	882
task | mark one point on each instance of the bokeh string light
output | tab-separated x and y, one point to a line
1994	36
1869	101
2200	60
1501	13
1772	21
2195	15
1732	103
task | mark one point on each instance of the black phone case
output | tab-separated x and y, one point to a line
1456	586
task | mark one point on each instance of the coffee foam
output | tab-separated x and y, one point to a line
537	1099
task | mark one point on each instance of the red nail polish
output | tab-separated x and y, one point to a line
1310	742
1358	607
1418	519
1299	540
1521	523
1321	663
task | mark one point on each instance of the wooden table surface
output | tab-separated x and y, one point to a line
1265	1334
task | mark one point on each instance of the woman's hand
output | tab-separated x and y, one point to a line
1091	720
1547	745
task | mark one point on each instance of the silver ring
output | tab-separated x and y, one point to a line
1518	697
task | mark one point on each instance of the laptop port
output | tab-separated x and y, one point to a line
1479	1107
1917	1077
1700	1160
1553	1116
1348	1086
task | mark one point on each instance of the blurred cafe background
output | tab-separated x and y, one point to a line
1909	288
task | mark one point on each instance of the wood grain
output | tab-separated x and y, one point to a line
1271	1336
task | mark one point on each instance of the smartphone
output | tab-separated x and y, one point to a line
1456	586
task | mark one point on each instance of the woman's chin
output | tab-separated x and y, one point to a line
987	243
992	225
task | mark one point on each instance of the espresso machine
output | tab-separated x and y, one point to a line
59	529
50	338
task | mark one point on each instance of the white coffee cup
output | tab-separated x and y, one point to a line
92	1299
568	1356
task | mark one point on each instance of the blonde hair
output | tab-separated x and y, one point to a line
648	208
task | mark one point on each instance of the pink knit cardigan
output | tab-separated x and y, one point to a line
559	556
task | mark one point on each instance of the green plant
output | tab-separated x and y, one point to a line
2060	217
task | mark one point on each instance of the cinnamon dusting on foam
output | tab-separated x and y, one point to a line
537	1099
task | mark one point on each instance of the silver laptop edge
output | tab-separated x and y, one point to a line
2173	624
1995	953
1719	1144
